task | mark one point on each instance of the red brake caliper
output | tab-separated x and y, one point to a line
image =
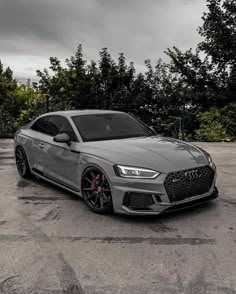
93	185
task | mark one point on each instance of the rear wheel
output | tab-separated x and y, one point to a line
22	163
96	191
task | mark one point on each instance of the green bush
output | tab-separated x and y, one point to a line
19	107
211	127
34	104
228	118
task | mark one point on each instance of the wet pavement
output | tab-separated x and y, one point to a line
51	243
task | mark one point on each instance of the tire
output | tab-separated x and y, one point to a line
96	191
22	163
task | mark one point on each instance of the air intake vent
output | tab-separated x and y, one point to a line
138	201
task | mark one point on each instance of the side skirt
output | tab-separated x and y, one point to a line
42	176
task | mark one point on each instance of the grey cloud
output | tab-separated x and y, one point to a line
140	28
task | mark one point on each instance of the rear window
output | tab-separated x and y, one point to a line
41	125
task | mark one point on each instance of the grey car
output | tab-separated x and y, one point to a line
115	162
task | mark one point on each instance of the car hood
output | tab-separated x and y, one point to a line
158	153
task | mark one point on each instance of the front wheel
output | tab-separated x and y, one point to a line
96	191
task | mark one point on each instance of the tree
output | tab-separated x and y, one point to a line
56	87
7	83
9	104
219	32
33	104
107	77
167	96
209	72
194	91
213	76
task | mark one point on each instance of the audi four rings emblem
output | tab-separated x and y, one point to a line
193	174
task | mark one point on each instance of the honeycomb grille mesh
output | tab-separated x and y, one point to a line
188	183
138	201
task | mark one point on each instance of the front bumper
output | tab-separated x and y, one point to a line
156	190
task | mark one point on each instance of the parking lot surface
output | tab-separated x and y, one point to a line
51	243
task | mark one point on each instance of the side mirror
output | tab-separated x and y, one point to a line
62	138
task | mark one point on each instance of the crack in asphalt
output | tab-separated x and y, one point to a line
66	274
7	285
13	238
7	157
229	201
41	237
53	214
8	163
199	285
51	198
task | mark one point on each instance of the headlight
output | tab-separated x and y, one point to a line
209	159
135	172
211	163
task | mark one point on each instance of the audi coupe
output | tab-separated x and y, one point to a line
115	162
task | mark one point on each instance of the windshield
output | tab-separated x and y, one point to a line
108	126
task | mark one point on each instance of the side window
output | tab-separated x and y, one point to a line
40	125
59	124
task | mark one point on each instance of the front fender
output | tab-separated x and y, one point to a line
104	165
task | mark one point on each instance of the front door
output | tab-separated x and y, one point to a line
63	161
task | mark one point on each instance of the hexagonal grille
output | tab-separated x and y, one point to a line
188	183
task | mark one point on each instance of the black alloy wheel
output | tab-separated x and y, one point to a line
96	191
22	163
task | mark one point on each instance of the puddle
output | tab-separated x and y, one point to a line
22	184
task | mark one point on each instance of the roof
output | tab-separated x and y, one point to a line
81	112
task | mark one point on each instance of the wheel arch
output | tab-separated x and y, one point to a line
104	165
19	146
90	165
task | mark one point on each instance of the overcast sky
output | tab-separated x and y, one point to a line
33	30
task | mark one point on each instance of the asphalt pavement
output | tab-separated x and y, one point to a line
51	243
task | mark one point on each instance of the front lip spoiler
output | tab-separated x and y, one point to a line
195	202
171	208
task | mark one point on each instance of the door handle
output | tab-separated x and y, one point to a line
41	145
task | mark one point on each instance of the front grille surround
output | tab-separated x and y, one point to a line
189	183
